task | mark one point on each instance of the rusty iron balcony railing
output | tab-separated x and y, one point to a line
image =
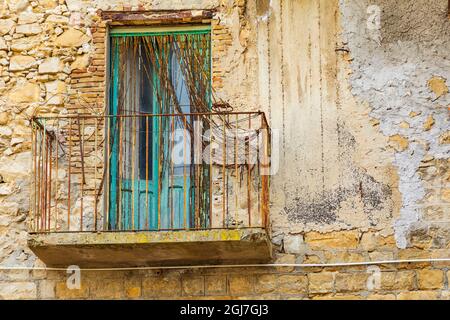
150	172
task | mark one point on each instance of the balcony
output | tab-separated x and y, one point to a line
150	189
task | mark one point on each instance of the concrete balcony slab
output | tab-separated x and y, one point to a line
152	248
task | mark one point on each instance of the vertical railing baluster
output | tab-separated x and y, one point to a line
45	184
81	142
198	171
249	173
210	173
41	183
159	178
38	177
42	218
43	189
236	170
95	173
258	161
56	172
133	169
170	157
184	174
35	169
147	214
265	176
119	176
224	160
33	180
107	183
69	173
50	183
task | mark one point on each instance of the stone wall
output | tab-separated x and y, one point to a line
360	111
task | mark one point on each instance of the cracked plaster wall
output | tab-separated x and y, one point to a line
400	71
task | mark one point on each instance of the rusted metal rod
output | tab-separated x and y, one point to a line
142	114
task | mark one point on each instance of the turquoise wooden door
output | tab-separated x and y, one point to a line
147	190
133	132
176	180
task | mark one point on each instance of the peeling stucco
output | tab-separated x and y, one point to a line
324	209
393	76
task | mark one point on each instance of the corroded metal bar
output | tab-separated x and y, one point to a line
40	175
108	146
33	186
45	183
43	191
258	166
236	142
249	174
171	188
56	175
119	178
147	213
160	151
264	177
133	170
81	142
184	173
69	173
50	184
197	172
95	174
210	176
38	180
143	114
224	156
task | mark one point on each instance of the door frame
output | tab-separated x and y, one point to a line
111	222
